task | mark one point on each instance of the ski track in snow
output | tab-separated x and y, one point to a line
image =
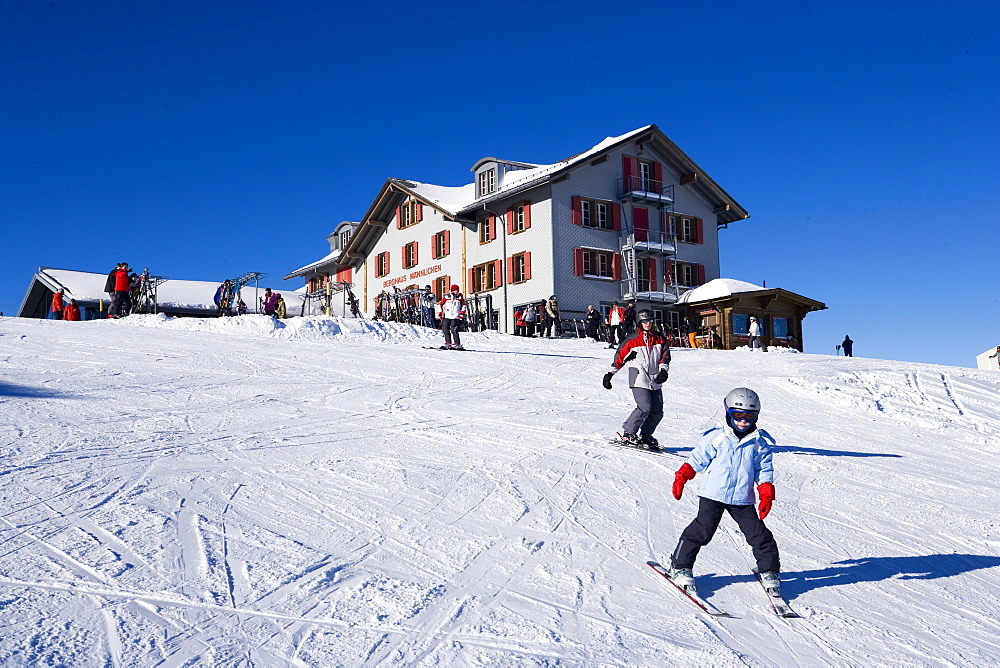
326	492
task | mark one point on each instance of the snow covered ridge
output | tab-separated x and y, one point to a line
308	328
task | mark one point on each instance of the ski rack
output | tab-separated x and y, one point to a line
144	292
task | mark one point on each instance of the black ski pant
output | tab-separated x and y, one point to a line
450	328
648	412
122	304
701	530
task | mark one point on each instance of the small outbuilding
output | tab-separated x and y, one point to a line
721	310
174	298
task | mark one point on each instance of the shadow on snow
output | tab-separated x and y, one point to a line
869	569
11	390
829	453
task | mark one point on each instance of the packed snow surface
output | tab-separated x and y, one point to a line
319	492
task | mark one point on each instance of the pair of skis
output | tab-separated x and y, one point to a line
778	604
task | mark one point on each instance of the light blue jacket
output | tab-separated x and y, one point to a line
732	465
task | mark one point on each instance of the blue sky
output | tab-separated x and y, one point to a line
204	140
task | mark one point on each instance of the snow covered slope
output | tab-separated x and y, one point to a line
326	492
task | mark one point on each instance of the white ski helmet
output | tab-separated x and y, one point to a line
742	399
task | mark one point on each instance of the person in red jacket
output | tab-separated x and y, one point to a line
122	304
72	311
647	356
57	305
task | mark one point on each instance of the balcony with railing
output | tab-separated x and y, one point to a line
638	187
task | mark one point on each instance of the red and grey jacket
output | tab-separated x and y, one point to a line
645	354
451	307
57	302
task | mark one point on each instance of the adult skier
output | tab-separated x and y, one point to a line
734	456
72	311
451	312
647	356
616	325
848	346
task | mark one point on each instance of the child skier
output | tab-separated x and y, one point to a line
648	356
733	457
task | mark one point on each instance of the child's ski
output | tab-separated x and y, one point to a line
779	604
702	604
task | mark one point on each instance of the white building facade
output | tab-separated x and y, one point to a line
632	218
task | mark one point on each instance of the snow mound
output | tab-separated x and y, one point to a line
308	328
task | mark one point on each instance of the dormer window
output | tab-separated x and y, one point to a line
487	181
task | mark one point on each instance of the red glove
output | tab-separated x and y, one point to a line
684	473
765	491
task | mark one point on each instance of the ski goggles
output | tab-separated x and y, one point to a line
746	416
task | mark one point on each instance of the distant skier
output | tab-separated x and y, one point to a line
848	346
280	310
994	355
754	332
451	312
616	324
734	456
552	309
648	358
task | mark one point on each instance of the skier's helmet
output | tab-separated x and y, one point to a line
742	400
454	288
645	315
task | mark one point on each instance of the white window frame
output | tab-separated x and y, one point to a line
487	182
585	213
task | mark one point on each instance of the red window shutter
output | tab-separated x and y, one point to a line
701	274
420	212
510	270
497	274
630	167
471	285
616	216
447	242
616	267
527	214
416	253
527	265
658	177
670	272
403	264
577	215
493	227
578	262
399	218
510	221
699	231
652	275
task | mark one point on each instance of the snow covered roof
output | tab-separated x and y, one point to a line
449	199
717	289
329	258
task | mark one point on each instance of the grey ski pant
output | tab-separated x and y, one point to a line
701	530
450	328
648	412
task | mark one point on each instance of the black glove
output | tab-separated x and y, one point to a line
607	380
661	377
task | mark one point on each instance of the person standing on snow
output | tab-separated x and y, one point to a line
848	346
648	357
616	324
552	308
121	304
72	311
754	333
57	304
427	301
279	306
734	456
451	312
593	323
269	301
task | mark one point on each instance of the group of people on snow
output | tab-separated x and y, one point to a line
542	317
61	310
734	456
